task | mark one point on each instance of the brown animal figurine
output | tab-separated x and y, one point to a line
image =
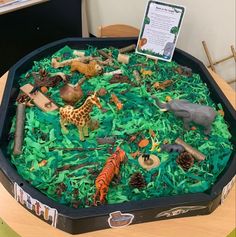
79	117
162	85
116	101
89	70
111	168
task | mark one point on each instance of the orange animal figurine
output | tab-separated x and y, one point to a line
162	85
111	168
89	70
116	101
81	116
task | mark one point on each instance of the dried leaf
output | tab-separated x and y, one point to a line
135	154
221	112
143	143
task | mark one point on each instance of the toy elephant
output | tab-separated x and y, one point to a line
189	112
169	47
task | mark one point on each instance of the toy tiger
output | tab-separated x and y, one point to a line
111	168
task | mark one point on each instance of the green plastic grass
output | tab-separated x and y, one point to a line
139	114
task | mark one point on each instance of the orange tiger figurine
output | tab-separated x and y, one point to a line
111	168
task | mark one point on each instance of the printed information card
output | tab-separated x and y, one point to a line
160	30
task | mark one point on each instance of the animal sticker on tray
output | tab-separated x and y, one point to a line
43	211
179	211
118	219
160	30
227	189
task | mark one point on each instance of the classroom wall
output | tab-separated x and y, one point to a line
209	20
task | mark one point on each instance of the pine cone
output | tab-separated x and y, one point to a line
185	160
137	181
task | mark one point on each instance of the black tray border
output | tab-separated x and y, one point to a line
83	220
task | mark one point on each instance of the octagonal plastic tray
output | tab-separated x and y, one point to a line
117	215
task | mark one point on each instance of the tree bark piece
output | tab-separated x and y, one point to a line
119	71
73	149
20	126
74	167
104	54
197	154
128	48
106	140
137	76
82	81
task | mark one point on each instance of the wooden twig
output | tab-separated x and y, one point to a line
197	154
106	140
139	65
74	167
82	81
107	62
19	133
137	76
119	71
104	54
73	149
121	79
128	48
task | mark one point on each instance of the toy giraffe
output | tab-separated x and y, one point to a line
79	117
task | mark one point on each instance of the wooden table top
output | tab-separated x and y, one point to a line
218	224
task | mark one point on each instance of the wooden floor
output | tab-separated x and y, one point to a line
218	224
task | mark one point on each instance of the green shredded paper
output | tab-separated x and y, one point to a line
139	115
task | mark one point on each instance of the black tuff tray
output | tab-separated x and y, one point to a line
77	221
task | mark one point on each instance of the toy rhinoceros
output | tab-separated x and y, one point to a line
189	112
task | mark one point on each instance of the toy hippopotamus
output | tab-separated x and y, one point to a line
190	112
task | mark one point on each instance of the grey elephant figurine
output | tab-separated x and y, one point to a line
189	112
169	47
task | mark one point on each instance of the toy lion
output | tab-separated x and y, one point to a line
89	70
